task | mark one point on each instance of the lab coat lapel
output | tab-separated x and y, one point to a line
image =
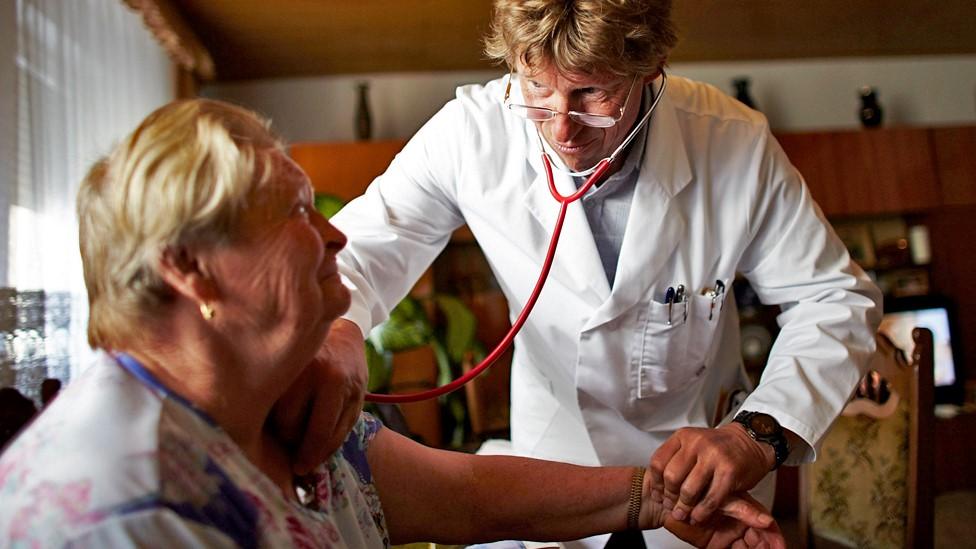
577	262
656	225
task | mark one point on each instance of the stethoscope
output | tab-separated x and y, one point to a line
594	174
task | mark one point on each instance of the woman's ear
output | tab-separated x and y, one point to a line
182	269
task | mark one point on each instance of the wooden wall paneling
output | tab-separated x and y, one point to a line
904	161
857	170
952	268
867	172
955	164
815	158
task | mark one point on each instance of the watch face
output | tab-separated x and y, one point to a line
764	425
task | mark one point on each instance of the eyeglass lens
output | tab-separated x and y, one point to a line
540	114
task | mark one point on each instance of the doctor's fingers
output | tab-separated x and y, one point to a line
723	484
695	484
675	475
659	461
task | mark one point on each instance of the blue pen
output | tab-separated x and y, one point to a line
669	299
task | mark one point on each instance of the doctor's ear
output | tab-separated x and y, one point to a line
660	68
651	77
183	271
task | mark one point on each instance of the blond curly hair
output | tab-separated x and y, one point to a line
620	37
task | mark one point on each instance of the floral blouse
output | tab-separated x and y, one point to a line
119	460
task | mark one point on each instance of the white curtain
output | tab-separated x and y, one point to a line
85	72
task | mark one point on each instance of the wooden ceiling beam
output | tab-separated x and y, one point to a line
259	39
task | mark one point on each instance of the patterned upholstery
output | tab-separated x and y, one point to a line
860	482
871	484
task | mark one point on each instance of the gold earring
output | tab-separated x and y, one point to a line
207	311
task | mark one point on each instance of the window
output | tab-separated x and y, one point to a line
75	77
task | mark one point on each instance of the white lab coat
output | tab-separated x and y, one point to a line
598	376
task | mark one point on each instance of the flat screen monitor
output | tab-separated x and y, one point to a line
937	314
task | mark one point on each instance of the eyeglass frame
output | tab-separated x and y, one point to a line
573	115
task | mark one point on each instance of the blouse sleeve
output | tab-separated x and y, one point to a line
354	453
354	449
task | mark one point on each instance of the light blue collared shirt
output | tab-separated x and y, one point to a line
607	207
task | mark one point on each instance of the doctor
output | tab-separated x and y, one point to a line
633	348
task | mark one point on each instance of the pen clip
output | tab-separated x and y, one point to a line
679	297
718	292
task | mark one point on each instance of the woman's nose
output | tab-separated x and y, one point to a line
333	238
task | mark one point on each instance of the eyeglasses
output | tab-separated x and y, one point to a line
541	114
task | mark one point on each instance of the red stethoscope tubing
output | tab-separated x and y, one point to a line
506	341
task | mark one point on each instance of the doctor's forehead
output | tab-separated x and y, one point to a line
549	75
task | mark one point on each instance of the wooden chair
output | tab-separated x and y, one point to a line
872	483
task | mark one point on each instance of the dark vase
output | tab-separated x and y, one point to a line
364	124
871	111
741	86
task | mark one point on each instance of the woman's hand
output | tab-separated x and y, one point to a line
318	411
741	521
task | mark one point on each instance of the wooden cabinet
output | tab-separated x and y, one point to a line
866	172
345	169
955	163
955	446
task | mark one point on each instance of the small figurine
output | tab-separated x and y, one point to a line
870	109
741	85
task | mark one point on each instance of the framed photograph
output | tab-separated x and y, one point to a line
857	238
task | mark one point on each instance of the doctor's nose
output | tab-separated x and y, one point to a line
562	128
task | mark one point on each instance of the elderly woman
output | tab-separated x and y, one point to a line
212	283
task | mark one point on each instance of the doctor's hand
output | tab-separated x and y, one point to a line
321	407
697	469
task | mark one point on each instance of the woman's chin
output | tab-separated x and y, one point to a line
337	301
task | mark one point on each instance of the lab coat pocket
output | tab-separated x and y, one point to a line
671	355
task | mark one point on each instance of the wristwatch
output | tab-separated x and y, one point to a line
764	428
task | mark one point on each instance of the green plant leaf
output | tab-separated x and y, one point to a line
460	325
445	374
407	327
328	204
459	414
379	366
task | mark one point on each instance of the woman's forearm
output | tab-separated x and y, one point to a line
448	497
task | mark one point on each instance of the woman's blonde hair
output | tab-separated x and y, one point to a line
182	177
620	37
